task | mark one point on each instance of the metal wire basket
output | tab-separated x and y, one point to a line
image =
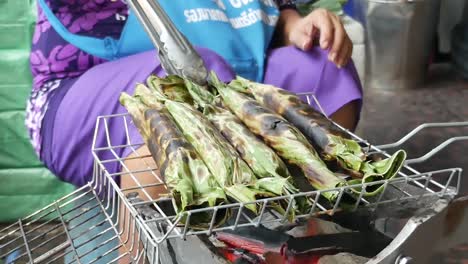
89	225
162	224
103	223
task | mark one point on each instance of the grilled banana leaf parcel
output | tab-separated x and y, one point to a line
284	138
172	86
331	142
175	88
379	170
230	171
263	161
184	172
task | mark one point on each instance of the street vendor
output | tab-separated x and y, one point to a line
74	82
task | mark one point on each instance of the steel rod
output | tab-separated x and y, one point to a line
67	233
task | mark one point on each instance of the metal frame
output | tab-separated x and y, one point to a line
86	226
435	150
102	214
441	182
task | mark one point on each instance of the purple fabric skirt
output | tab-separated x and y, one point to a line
69	123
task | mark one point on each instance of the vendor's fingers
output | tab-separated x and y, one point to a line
345	54
350	53
340	59
307	45
302	37
310	38
339	39
311	31
321	20
299	39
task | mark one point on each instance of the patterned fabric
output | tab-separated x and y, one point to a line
53	60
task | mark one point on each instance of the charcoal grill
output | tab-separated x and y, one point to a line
102	223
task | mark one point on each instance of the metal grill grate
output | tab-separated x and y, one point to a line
102	223
86	226
409	185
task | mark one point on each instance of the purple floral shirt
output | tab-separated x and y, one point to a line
54	62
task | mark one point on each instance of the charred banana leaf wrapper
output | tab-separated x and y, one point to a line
284	138
230	171
263	161
175	88
172	86
329	140
379	170
184	172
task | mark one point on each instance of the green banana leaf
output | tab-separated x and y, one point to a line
379	170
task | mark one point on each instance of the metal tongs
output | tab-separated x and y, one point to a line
176	53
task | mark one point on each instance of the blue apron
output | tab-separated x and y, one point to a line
238	30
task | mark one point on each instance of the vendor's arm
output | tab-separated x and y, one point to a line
320	23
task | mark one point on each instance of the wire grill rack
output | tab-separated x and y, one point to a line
86	226
409	185
103	223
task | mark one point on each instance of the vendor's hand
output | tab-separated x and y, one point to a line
327	27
